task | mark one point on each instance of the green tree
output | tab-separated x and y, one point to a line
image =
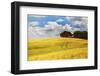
81	34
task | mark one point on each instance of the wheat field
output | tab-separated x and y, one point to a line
57	49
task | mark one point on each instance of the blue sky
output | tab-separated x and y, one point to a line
43	20
52	26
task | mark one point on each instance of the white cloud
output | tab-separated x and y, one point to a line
79	23
36	32
67	27
69	17
76	29
33	24
31	33
52	29
59	20
53	25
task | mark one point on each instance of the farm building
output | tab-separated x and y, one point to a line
65	34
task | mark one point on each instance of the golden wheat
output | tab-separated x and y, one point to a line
57	48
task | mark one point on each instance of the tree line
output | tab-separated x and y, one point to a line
76	34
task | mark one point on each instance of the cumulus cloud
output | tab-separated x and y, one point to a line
51	29
78	23
59	20
33	24
36	32
31	33
75	29
67	27
53	25
69	17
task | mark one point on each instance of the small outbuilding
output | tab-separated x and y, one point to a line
66	34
